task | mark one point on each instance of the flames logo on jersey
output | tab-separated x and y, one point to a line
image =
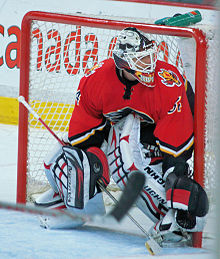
169	78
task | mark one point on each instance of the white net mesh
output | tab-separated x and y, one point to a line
60	55
211	113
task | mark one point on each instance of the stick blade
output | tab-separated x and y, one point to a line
129	195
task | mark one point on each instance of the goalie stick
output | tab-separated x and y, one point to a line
152	246
130	194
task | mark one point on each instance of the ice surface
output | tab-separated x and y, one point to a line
22	237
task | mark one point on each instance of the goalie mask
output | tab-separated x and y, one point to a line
136	54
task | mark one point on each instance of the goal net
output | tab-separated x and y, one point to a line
58	49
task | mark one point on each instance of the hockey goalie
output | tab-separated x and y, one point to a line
132	112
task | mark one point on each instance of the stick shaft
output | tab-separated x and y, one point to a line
40	211
129	215
32	111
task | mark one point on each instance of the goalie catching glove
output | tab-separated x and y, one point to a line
182	192
186	194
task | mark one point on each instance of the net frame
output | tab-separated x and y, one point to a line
200	83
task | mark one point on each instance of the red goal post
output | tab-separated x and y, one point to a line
50	59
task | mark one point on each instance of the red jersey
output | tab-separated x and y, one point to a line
100	97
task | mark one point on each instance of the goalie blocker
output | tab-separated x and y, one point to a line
73	173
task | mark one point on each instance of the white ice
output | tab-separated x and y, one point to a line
22	237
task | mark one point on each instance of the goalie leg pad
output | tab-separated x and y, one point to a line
48	161
152	200
186	194
50	199
127	154
76	173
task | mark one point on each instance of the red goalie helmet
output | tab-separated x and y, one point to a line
136	54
